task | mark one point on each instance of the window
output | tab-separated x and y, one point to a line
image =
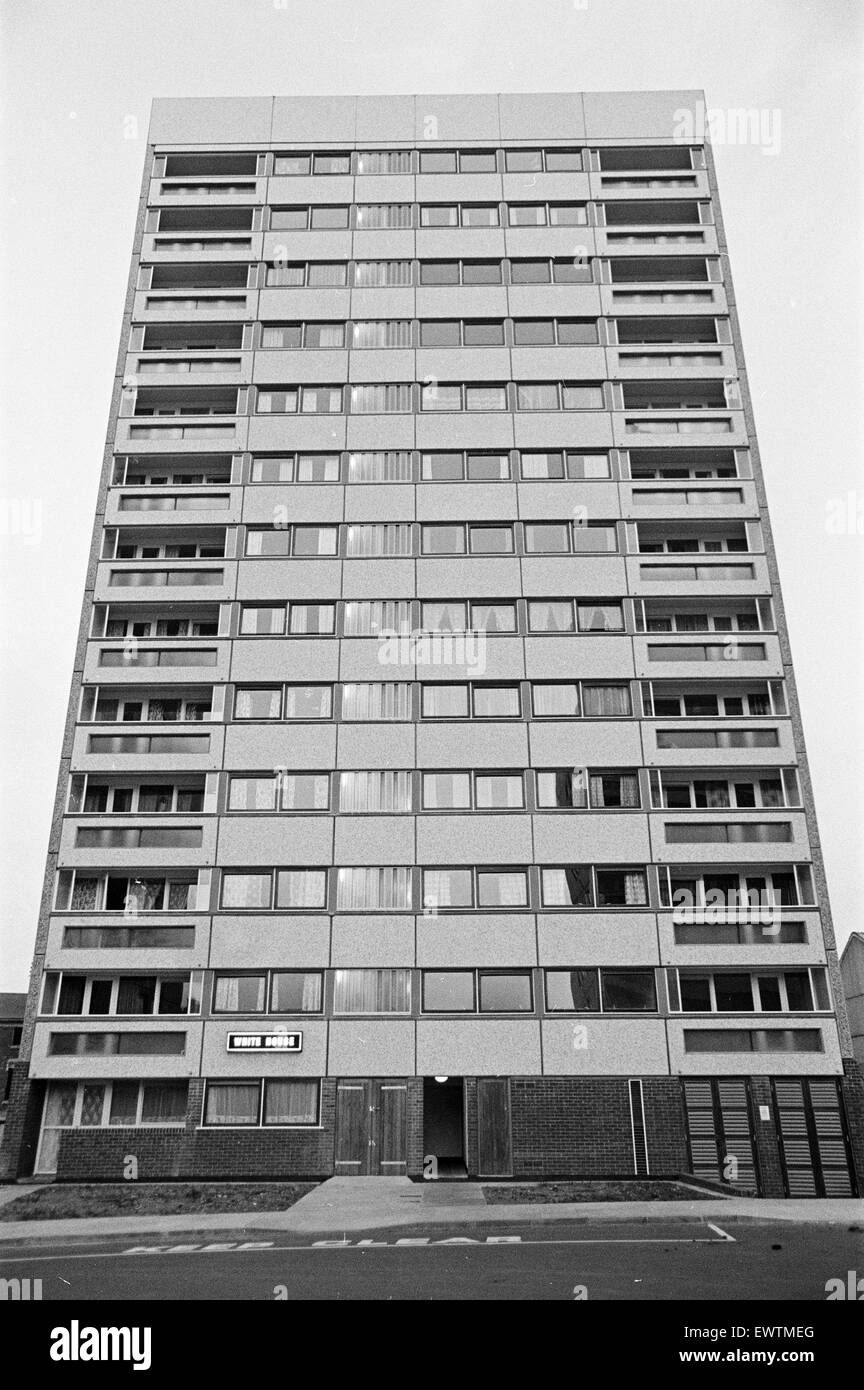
304	468
606	991
391	399
364	792
380	274
373	890
246	890
446	791
252	703
502	888
490	540
518	161
239	994
447	888
370	617
444	701
584	886
296	992
496	702
253	1103
252	794
547	214
378	539
380	466
499	791
381	333
384	162
376	700
448	991
577	787
505	992
308	702
377	216
301	888
371	992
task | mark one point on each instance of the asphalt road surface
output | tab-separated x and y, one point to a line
556	1261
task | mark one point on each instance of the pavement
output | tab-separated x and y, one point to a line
341	1206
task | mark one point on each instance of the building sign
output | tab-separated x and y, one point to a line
265	1042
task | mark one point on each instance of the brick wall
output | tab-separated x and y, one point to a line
852	1090
569	1126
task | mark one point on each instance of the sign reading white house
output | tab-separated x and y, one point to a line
265	1042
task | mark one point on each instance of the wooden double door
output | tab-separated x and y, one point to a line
372	1127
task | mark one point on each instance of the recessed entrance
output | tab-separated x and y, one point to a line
444	1127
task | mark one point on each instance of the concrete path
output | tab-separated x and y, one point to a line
343	1205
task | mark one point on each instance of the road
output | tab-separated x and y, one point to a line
556	1261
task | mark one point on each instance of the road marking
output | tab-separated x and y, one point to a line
364	1244
725	1234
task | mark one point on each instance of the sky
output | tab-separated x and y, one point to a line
77	78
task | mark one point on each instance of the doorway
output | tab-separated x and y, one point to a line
444	1127
494	1138
372	1128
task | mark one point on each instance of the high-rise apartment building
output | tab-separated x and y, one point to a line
433	797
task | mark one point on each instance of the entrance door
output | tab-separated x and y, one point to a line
494	1143
371	1128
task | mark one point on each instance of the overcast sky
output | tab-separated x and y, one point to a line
77	80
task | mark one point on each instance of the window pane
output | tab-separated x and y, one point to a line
239	994
483	334
563	161
439	215
485	398
447	888
533	332
498	790
493	617
560	700
554	616
530	272
372	991
442	467
496	701
500	888
439	272
245	890
505	993
446	790
523	161
443	540
257	704
448	991
488	467
567	215
262	621
537	396
290	1102
490	540
477	162
437	161
628	990
445	701
444	617
479	215
296	992
308	701
576	990
481	273
547	538
570	887
232	1103
439	333
301	888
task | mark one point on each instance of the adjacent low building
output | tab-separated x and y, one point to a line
434	797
